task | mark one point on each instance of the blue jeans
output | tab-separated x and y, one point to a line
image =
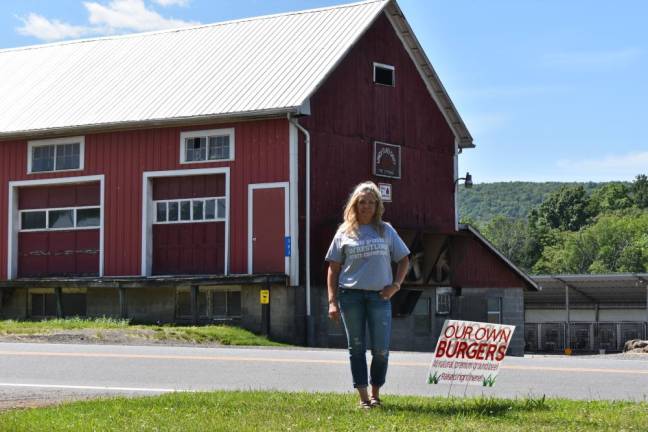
361	309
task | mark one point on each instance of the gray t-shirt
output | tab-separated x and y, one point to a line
366	260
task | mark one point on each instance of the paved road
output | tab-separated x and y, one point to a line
40	372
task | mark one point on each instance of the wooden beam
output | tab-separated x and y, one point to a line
58	292
123	307
194	304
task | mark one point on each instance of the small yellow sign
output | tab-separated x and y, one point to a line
265	296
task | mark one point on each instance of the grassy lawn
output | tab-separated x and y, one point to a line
223	334
276	411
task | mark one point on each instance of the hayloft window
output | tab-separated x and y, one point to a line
207	146
61	154
384	74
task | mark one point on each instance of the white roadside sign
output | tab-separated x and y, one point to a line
469	352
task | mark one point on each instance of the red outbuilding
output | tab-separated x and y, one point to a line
173	175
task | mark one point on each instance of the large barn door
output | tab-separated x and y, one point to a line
268	225
189	224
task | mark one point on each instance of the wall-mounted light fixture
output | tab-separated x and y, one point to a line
468	181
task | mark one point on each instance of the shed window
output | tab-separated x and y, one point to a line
43	305
444	301
61	154
206	146
221	303
226	303
495	310
384	74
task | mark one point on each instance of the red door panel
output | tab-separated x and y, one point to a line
268	230
189	248
76	195
58	253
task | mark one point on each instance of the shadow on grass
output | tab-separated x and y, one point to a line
488	407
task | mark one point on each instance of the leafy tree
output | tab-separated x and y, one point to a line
484	201
511	237
614	243
567	209
639	191
609	197
470	221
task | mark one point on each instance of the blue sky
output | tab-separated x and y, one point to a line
551	90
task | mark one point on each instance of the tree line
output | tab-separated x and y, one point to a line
573	230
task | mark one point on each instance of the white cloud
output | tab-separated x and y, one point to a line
49	30
620	57
129	15
610	167
117	16
166	3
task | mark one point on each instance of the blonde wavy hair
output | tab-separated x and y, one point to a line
351	224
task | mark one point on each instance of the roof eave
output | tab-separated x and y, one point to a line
151	123
429	75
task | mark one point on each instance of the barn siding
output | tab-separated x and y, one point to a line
350	112
261	155
475	266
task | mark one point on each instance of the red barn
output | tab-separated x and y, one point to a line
170	176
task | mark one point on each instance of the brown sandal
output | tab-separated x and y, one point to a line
365	405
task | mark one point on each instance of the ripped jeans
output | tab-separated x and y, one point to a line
360	310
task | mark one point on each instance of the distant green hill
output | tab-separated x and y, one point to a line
513	199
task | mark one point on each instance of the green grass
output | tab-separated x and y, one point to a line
35	327
223	334
277	411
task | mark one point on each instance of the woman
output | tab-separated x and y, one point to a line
360	284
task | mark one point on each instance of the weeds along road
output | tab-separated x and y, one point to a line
37	373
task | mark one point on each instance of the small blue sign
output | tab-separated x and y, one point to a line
287	246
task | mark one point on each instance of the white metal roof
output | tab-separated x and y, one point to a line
257	66
611	288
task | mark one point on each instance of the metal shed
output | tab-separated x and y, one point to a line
586	312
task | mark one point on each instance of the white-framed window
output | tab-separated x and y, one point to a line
495	310
56	219
443	301
53	155
207	145
212	209
384	74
